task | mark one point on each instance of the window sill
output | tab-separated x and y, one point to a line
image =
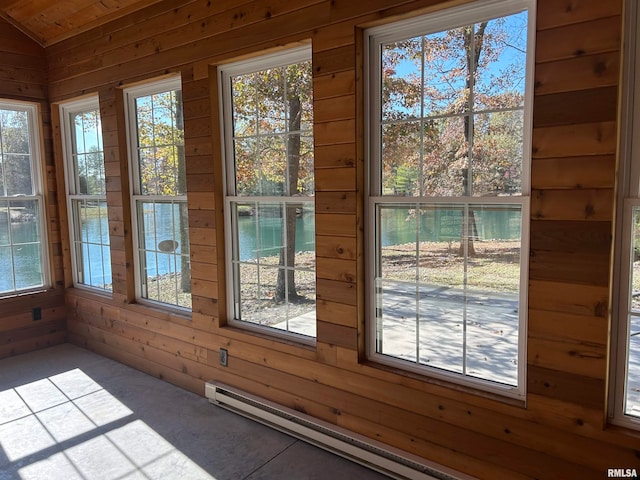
454	387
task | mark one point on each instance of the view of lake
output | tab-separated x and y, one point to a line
27	266
398	227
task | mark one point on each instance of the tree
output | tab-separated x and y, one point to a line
452	110
272	111
160	123
15	155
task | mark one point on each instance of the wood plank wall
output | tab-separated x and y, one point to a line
561	432
23	76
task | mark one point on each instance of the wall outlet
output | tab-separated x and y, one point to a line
224	357
36	313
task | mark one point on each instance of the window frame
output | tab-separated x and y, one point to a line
82	105
37	180
169	83
436	22
298	54
628	196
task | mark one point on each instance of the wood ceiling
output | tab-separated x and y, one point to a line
50	21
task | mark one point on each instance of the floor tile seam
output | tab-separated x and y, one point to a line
294	441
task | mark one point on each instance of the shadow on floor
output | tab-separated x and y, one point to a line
67	413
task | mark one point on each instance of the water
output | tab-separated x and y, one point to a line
27	267
266	240
398	226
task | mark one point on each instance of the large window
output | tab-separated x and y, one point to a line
86	194
625	371
449	193
269	208
23	259
159	202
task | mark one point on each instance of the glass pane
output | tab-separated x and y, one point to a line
106	281
401	80
305	185
271	101
272	166
448	282
441	279
305	236
272	131
90	171
257	290
446	157
161	144
3	193
492	293
17	174
144	116
6	269
497	153
15	128
441	250
260	231
78	131
246	166
446	72
244	90
401	159
397	321
302	310
5	238
165	269
500	71
276	255
93	256
28	266
269	234
441	328
299	89
88	158
25	223
398	236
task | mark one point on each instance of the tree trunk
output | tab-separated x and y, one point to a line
473	45
285	284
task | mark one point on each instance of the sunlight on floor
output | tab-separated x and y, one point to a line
68	426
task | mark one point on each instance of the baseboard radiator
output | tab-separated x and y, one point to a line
365	451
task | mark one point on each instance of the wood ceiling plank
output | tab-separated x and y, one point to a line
50	22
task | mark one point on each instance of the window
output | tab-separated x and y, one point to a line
269	207
23	259
625	371
449	194
159	202
86	194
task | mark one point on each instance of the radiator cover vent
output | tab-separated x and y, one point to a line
357	448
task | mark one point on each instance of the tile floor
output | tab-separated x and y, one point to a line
67	414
